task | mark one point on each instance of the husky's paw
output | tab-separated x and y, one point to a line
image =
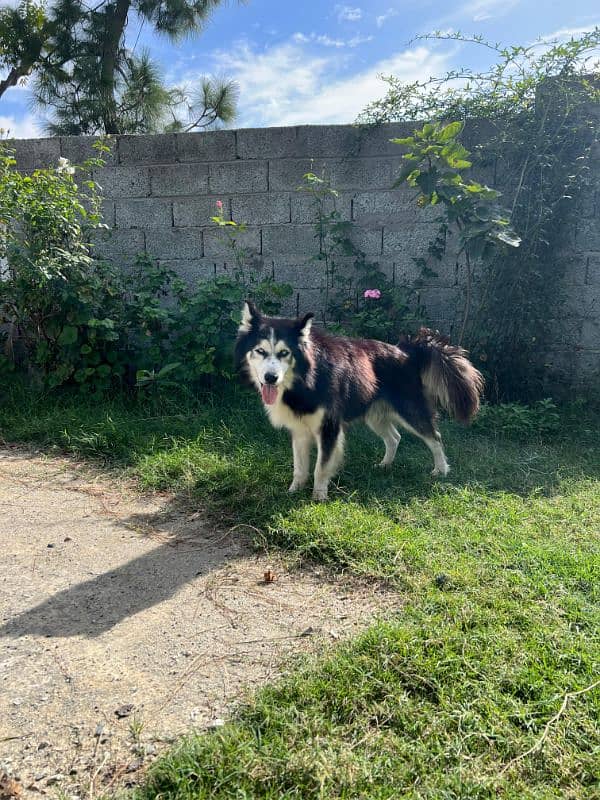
296	485
319	495
384	464
441	472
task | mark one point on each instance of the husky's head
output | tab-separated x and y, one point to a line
272	350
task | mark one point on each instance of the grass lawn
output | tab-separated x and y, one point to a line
486	682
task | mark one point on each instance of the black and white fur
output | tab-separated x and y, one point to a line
314	384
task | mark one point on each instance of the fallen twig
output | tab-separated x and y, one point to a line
538	744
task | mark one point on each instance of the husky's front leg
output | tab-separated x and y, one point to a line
301	442
330	446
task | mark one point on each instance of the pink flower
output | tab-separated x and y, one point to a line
373	294
219	205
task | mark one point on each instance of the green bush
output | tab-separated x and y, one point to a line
69	318
517	420
361	301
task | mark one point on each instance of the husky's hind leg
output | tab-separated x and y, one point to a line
417	418
381	423
330	447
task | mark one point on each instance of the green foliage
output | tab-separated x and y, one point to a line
93	84
434	164
506	91
69	318
24	33
55	301
537	127
515	419
347	308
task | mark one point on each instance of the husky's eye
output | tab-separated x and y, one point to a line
283	354
260	351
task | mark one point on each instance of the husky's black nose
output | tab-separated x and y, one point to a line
270	378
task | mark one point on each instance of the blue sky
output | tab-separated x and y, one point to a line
313	61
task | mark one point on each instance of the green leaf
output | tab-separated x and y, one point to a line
67	336
450	131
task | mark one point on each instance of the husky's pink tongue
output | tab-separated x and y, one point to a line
269	393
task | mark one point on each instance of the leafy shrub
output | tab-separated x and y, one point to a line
55	301
517	420
538	103
69	318
363	301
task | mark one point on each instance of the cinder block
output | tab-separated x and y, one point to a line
587	369
478	131
576	267
355	173
381	208
238	177
322	141
285	240
147	213
216	244
408	273
396	209
206	146
369	241
310	300
304	208
590	333
559	364
286	174
413	240
177	243
588	202
192	271
592	272
257	209
579	301
123	181
405	274
197	211
442	306
107	210
147	149
33	154
564	330
79	148
374	140
304	300
299	274
177	179
267	143
117	244
587	236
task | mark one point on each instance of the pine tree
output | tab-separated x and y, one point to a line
93	84
24	33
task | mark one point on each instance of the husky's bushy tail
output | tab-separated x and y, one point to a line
449	378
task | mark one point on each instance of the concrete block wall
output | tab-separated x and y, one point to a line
161	192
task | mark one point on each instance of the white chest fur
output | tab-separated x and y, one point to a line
281	416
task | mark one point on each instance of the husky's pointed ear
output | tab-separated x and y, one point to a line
304	325
250	316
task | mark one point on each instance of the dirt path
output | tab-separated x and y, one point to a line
124	623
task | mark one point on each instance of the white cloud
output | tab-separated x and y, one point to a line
569	33
482	10
327	41
25	128
348	13
287	85
383	18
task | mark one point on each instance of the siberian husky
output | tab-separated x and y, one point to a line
314	384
